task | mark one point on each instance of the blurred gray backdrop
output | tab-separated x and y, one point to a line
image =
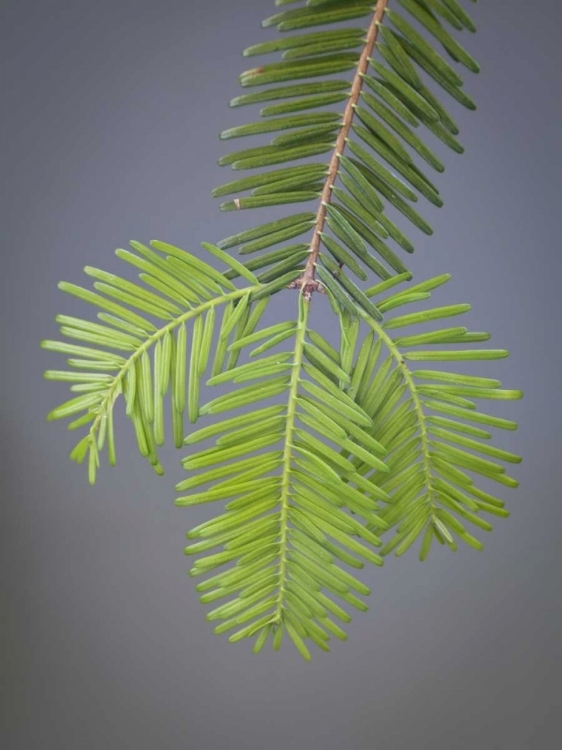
111	112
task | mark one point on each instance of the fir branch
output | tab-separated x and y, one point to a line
307	281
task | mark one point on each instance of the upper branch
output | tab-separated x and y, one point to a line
306	282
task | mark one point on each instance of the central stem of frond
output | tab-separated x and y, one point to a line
408	380
306	281
288	454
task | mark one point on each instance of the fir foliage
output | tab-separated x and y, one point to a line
322	458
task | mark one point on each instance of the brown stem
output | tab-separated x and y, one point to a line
306	281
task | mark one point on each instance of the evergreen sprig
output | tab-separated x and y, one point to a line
366	139
313	452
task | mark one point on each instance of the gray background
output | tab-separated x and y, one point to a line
109	132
